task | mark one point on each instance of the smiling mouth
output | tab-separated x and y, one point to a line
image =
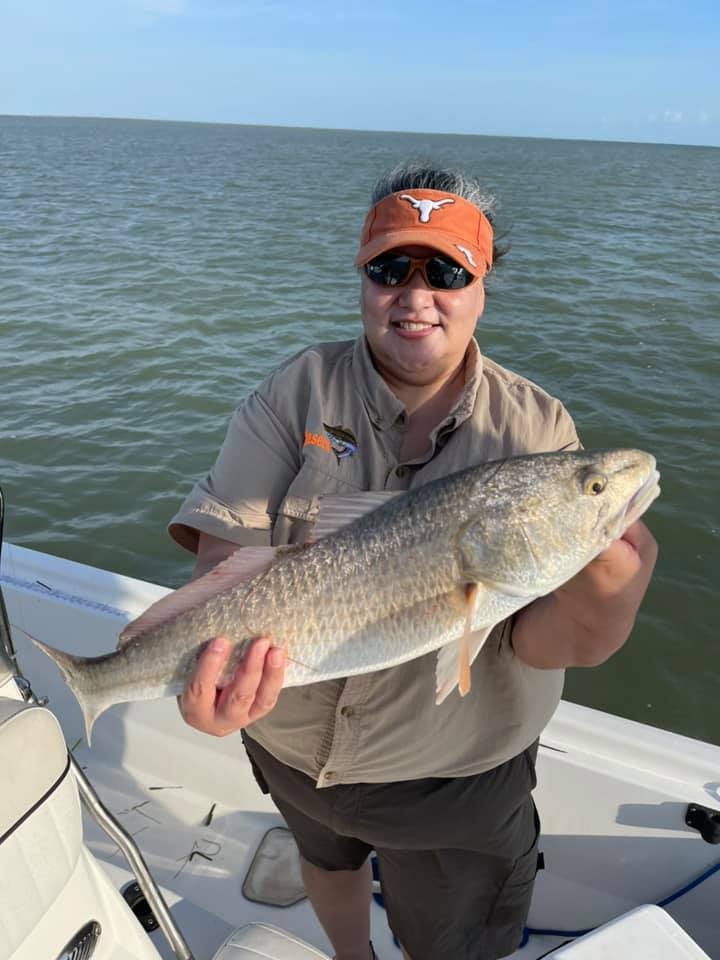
413	325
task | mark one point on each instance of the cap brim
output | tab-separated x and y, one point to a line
436	239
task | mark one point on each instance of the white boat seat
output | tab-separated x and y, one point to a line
645	933
8	686
260	941
52	887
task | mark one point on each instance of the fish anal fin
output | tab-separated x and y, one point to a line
244	564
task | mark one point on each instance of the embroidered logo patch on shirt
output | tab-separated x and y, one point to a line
317	440
342	441
337	440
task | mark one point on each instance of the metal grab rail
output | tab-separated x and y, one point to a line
8	660
9	667
109	825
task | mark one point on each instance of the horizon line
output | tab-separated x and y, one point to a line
299	126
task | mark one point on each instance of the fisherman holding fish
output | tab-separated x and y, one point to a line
441	792
486	583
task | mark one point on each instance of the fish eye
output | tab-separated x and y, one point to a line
594	483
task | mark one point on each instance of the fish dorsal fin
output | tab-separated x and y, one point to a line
338	511
244	564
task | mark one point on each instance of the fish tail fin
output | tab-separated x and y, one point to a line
75	672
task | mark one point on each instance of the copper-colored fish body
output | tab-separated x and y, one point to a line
432	569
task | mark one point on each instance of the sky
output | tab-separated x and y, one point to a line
643	70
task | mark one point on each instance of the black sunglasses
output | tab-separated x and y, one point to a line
440	273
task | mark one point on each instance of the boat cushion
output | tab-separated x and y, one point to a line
40	820
260	941
28	775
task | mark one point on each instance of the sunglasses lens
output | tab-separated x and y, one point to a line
389	271
445	274
442	273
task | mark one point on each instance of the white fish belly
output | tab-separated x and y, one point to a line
410	633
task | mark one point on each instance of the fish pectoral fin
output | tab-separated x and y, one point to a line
336	512
471	593
244	564
455	658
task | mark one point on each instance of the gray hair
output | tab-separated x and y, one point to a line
424	175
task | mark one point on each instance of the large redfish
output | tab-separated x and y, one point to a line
432	569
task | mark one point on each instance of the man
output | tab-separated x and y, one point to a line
442	793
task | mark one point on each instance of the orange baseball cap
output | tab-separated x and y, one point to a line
433	218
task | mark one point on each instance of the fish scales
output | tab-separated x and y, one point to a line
391	585
310	600
390	559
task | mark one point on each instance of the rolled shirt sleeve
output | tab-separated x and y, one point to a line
565	437
239	498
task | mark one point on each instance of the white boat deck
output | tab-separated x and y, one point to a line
612	794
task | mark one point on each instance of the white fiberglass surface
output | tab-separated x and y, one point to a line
611	793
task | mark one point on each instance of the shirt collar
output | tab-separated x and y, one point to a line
384	407
465	403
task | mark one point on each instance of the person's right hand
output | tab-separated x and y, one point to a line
252	692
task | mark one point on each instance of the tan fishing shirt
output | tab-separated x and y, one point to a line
325	422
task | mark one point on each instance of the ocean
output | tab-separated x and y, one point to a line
152	273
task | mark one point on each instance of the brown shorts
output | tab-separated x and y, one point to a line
457	857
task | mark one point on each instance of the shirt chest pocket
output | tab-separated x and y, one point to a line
320	475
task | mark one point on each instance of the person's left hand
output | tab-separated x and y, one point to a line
619	576
588	618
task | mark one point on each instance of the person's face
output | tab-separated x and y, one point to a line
417	334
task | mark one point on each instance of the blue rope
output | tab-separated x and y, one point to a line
690	886
567	934
572	934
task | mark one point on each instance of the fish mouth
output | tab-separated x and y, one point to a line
638	503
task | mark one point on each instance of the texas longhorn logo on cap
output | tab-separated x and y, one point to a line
432	218
425	207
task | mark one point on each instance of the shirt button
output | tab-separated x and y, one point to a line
347	712
400	471
330	775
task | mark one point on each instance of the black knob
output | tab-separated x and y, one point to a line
705	820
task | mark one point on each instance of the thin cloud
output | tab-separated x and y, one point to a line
673	116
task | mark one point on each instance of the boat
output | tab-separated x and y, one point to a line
175	853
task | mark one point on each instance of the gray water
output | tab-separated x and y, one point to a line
151	273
